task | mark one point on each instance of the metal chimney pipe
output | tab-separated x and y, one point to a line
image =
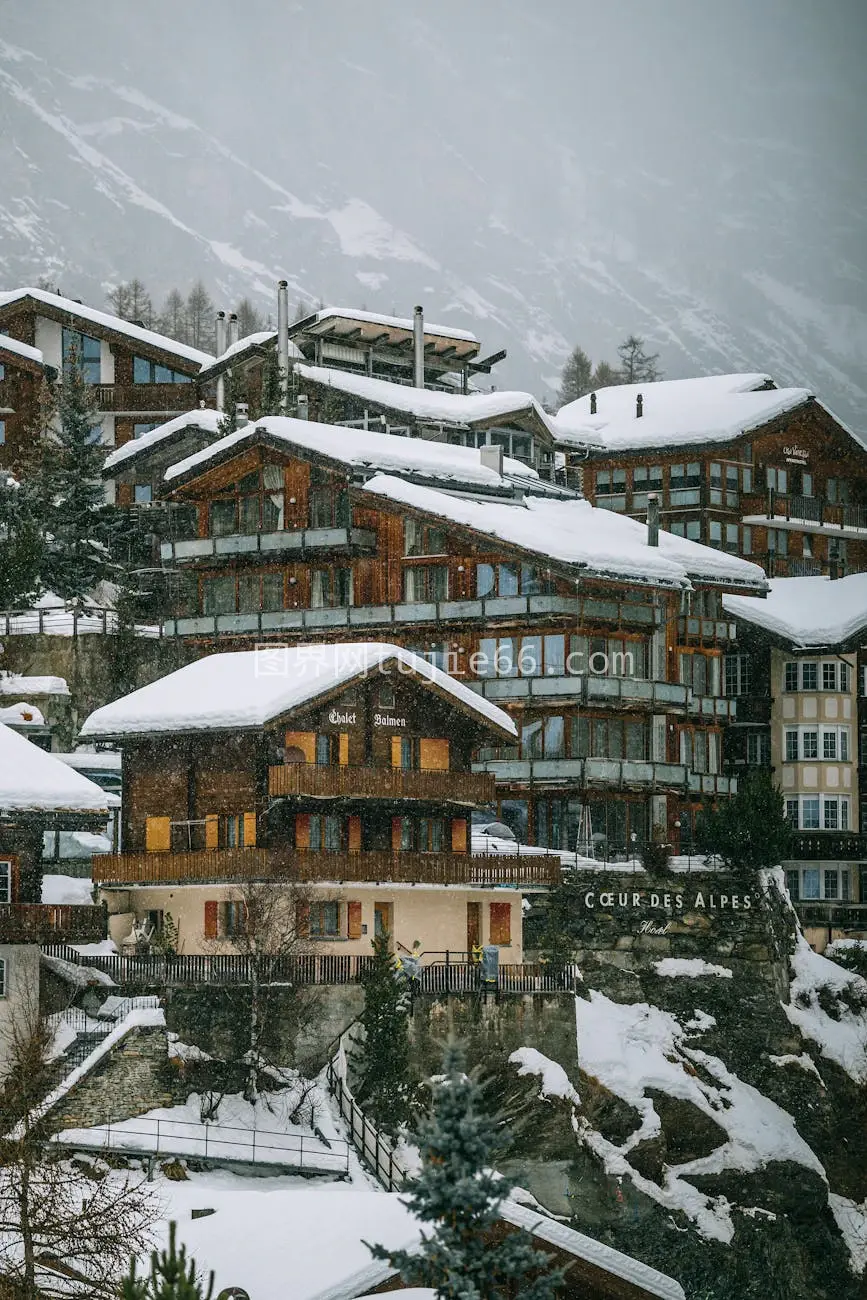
592	403
233	330
303	411
221	348
652	519
283	343
639	407
242	414
418	347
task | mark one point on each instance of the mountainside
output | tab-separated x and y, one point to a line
544	175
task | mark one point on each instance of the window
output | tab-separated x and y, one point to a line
778	541
233	830
700	672
425	583
829	676
423	539
5	881
611	489
143	494
791	677
83	351
430	834
810	883
234	919
3	977
810	744
715	484
329	501
325	920
837	491
829	744
218	595
223	518
684	483
326	833
832	886
810	813
758	749
501	924
793	884
645	479
732	486
330	588
792	746
778	479
609	738
511	580
845	679
738	675
809	677
747	540
792	812
2	370
715	532
151	372
140	429
747	479
2	432
731	539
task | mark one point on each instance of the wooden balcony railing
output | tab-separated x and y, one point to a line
470	788
47	923
150	399
310	867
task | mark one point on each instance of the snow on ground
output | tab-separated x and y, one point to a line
852	1222
71	845
80	977
67	889
32	780
555	1081
840	1032
690	967
803	1062
633	1047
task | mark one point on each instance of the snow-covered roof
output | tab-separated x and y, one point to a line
576	533
33	781
135	332
205	420
808	612
24	350
392	322
676	412
359	449
107	760
18	684
444	408
249	688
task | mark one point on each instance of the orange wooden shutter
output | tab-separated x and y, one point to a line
211	918
353	911
158	832
343	749
302	830
501	923
396	752
305	741
302	919
434	755
354	837
212	832
459	835
396	833
250	829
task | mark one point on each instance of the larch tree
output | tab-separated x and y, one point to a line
200	318
576	378
132	301
636	365
605	376
173	317
381	1058
456	1198
249	319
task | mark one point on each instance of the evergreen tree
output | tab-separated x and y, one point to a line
21	545
636	365
605	376
71	493
172	1276
201	324
249	319
271	398
382	1059
577	376
456	1197
748	831
173	319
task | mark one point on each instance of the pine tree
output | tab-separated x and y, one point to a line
636	365
456	1198
576	379
173	318
249	319
21	544
748	831
172	1276
605	376
382	1059
201	318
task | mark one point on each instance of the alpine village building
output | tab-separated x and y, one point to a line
338	774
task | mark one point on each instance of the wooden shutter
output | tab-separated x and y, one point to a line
396	751
212	832
302	920
353	914
343	749
158	834
459	835
302	830
434	755
354	835
501	923
305	741
396	833
212	914
250	830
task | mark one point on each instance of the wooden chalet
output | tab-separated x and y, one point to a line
339	769
22	369
738	464
606	649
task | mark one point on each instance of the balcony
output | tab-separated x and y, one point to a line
145	399
705	629
592	773
753	709
47	923
620	692
806	514
828	846
843	916
291	866
712	706
709	784
302	780
299	541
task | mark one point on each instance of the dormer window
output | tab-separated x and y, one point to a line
385	695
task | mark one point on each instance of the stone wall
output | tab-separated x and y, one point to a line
132	1078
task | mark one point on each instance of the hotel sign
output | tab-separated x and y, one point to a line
607	900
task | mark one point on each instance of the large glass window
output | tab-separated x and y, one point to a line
425	583
738	675
151	372
423	539
218	595
330	588
83	351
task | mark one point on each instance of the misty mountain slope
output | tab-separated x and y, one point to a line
544	178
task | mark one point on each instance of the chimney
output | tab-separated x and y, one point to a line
418	348
221	348
592	403
652	519
233	330
283	347
492	458
242	414
303	412
639	407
